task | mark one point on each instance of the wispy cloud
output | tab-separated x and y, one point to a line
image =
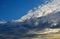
2	22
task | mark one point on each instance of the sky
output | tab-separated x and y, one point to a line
15	9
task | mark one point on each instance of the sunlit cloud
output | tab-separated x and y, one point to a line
41	10
34	22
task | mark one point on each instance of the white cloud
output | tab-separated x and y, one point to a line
41	10
2	22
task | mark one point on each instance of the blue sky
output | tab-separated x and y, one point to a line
14	9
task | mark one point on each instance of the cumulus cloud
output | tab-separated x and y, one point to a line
41	10
35	23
